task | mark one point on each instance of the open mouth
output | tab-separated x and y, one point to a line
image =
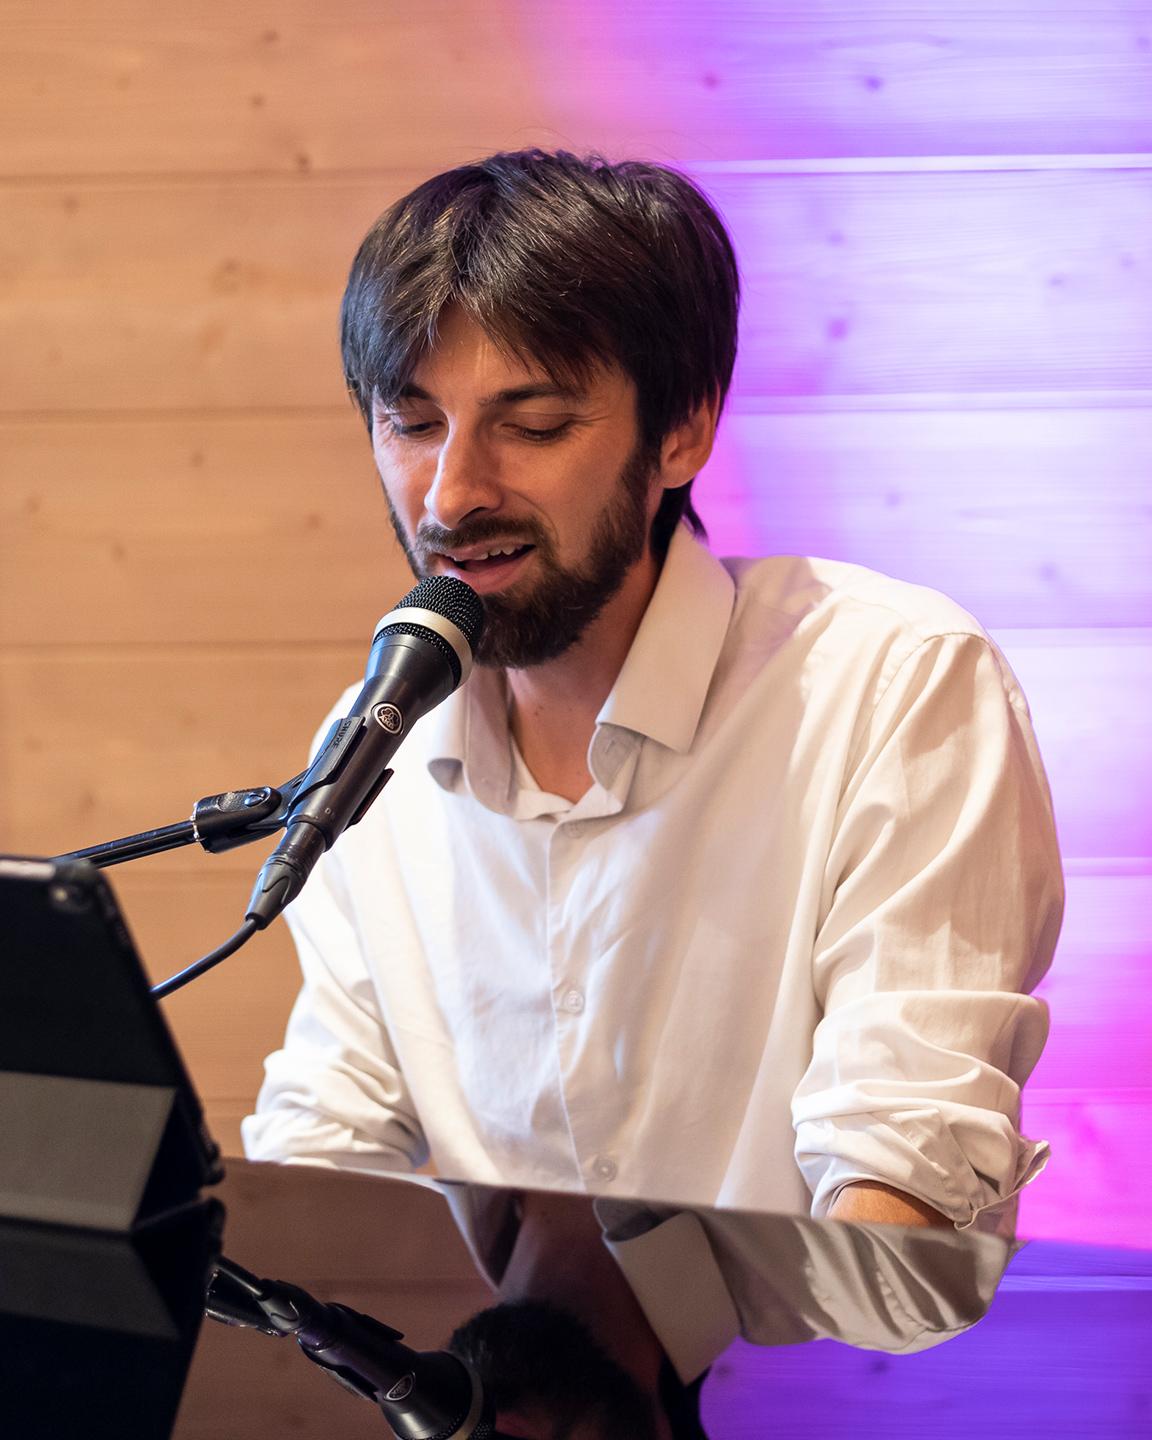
493	560
486	570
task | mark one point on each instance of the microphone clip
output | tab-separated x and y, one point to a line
237	817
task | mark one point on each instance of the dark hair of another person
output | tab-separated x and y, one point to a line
538	1360
571	262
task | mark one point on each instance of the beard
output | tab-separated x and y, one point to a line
550	615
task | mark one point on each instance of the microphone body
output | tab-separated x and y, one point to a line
421	652
423	1394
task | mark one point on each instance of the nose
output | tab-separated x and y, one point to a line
464	483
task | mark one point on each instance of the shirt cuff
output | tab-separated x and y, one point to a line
671	1269
916	1152
489	1221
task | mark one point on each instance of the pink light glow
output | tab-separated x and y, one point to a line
945	375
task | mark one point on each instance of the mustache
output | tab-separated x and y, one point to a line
431	538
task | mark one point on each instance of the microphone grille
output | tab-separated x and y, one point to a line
447	596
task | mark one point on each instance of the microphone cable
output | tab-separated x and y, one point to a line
206	962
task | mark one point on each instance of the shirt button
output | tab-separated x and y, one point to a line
604	1167
573	1002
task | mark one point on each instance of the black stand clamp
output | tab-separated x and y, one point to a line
218	823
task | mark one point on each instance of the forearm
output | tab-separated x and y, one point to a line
868	1202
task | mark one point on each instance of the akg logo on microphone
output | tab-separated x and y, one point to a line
388	718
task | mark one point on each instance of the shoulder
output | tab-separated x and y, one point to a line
848	632
790	592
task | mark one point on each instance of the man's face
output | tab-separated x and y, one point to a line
539	498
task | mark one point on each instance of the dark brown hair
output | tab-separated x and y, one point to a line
572	262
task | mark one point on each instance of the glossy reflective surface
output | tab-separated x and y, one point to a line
1062	1349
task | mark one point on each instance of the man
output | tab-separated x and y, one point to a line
718	883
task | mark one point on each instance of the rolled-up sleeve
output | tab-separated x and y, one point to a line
334	1093
943	904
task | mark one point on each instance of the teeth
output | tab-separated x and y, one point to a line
488	555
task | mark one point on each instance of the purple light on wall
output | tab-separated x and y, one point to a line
946	375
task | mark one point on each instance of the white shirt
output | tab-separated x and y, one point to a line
779	945
783	1280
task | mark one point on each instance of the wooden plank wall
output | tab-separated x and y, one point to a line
943	212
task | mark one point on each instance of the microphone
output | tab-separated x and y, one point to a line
421	651
423	1394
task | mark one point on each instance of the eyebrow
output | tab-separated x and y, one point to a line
540	390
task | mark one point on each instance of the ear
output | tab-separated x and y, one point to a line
685	449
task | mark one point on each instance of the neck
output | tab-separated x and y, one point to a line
554	706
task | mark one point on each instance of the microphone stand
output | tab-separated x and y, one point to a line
238	817
423	1395
218	823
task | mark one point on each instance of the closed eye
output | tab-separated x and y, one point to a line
532	434
541	437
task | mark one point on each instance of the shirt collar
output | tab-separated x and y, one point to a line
661	689
469	735
659	693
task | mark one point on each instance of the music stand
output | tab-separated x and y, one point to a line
106	1245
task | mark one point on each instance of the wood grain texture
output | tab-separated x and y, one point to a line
1027	517
224	294
95	745
278	86
193	528
270	527
178	296
976	282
